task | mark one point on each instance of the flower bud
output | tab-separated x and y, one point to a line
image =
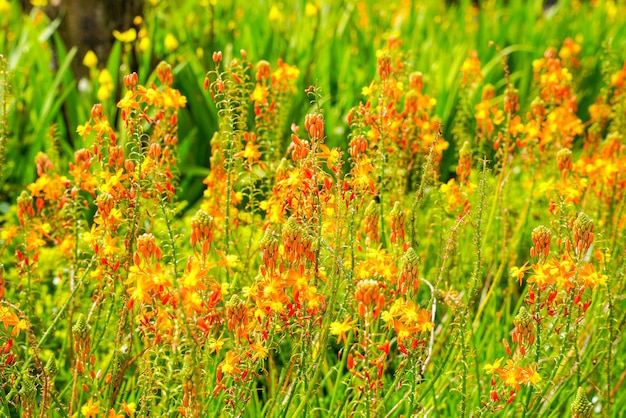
397	221
564	161
164	73
201	227
409	274
583	233
542	239
372	215
416	81
581	407
146	246
51	366
217	57
384	65
25	206
314	124
464	168
81	328
262	71
236	313
269	248
104	202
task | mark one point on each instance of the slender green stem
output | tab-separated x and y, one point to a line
49	330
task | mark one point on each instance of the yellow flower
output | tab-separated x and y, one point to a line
340	329
275	14
126	37
491	368
260	352
90	409
259	95
144	44
251	152
519	272
310	10
39	3
90	60
105	90
5	7
229	365
129	408
171	43
216	345
225	288
369	90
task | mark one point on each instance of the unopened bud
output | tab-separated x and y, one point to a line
581	407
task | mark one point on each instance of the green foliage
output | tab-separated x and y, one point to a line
436	227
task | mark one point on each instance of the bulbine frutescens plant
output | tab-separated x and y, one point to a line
320	280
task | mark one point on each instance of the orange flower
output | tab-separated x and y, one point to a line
113	414
591	277
8	317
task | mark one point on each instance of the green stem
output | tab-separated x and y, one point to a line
46	334
419	194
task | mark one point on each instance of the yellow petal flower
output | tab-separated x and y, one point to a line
127	36
5	7
171	43
90	60
144	44
275	14
310	10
